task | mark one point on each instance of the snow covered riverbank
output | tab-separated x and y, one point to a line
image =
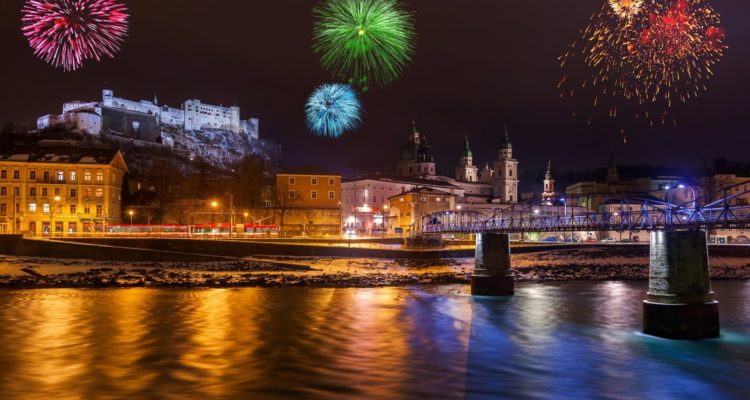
554	265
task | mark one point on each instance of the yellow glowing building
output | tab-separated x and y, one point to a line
69	191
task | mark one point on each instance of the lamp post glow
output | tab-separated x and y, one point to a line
131	212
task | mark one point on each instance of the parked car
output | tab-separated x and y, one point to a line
608	240
591	241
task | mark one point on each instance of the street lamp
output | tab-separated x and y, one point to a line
131	212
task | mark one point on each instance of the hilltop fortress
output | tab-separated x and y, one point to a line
196	129
194	115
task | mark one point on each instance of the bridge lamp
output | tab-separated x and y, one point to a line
536	211
458	207
681	187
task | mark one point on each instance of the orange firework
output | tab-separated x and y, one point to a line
660	54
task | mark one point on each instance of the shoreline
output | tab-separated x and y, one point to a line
25	273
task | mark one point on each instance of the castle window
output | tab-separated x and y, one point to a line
332	182
292	181
314	181
292	194
331	195
314	194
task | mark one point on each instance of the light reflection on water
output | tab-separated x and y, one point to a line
575	340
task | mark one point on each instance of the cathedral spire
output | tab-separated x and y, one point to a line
467	151
548	175
506	139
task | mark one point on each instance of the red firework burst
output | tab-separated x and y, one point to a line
65	33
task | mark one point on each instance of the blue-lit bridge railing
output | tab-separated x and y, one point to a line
632	213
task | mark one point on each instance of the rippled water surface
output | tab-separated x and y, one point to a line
578	340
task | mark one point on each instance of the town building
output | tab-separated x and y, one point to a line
307	202
737	191
407	210
66	190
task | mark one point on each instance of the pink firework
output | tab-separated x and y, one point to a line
65	33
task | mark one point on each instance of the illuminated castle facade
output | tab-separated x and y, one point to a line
194	115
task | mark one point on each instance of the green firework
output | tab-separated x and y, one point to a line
364	40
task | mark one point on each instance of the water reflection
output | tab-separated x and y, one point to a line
567	341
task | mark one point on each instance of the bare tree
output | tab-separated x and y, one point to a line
285	200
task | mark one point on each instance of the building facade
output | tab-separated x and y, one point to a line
307	202
407	210
60	191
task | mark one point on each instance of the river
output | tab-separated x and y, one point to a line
569	340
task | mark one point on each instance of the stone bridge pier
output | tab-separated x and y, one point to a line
680	303
492	273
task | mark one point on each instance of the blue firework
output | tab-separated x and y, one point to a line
332	110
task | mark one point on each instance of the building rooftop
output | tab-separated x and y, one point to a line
307	170
403	179
58	154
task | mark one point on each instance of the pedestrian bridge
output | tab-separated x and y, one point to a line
619	213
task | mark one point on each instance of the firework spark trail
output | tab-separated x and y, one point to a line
656	56
332	110
65	33
364	40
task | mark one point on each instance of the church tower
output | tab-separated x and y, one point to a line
505	180
466	170
415	157
613	176
549	185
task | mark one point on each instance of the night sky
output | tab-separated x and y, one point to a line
480	64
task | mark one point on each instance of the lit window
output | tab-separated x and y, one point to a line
60	176
99	192
73	176
99	176
45	208
87	176
32	207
